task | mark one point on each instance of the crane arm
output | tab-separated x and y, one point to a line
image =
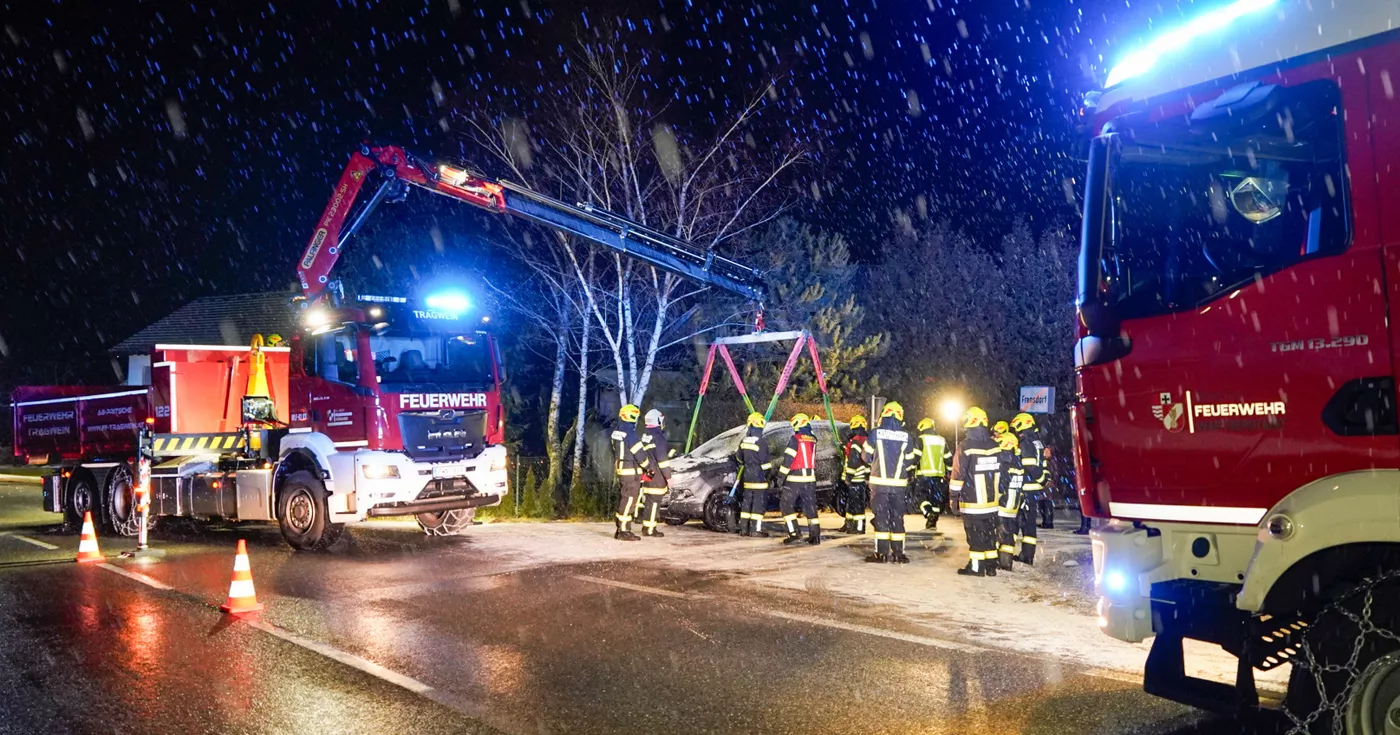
397	169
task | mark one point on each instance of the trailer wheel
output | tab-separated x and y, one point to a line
446	523
81	496
1349	674
302	513
119	503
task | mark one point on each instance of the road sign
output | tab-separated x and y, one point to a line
1037	399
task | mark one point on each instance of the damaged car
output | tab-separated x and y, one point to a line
701	481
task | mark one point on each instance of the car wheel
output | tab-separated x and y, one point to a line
717	510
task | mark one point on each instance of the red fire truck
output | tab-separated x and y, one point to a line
380	405
1239	304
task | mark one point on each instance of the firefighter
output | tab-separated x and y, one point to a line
632	463
932	475
655	485
754	466
999	428
797	477
854	475
1037	487
891	455
1010	498
977	475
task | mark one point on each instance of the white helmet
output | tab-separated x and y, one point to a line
655	418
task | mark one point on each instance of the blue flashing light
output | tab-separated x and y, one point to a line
452	302
1144	59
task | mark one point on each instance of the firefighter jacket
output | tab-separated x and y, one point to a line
800	458
1011	493
933	453
978	471
1033	461
855	470
631	458
660	453
753	459
890	453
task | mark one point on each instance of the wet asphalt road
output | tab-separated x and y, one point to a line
459	639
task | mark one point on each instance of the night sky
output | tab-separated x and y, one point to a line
157	152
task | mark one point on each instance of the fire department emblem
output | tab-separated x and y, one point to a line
1172	415
357	175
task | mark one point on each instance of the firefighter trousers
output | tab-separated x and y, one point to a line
932	494
1047	509
799	497
627	502
1008	528
889	504
856	494
752	509
981	531
649	507
1026	520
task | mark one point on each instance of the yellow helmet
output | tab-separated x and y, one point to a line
800	421
1008	442
629	413
275	340
974	417
893	409
858	422
925	424
1022	421
1000	428
756	419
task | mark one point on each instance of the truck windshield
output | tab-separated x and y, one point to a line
1199	207
461	359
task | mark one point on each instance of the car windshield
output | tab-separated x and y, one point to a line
432	359
1198	208
721	446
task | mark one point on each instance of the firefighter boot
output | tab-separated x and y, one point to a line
882	552
973	569
897	553
758	528
1027	555
814	531
1004	561
623	533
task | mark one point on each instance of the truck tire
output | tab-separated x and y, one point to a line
1349	674
81	495
302	513
446	523
119	503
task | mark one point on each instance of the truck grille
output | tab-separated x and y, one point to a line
447	435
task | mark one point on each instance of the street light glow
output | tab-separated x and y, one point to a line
951	409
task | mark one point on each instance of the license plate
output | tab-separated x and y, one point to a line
445	471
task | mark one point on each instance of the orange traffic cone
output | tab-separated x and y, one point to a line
87	544
241	597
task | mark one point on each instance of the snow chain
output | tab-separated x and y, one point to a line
1336	704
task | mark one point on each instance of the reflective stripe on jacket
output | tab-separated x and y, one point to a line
753	459
629	451
933	455
977	472
800	458
855	469
890	453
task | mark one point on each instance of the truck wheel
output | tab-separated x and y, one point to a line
81	496
302	513
119	503
1349	673
446	523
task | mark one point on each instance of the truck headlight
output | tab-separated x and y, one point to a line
498	465
380	471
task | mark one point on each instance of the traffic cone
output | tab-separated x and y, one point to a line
241	597
87	544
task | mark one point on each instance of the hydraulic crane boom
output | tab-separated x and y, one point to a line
398	169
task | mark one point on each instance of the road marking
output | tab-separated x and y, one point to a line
139	577
855	628
640	588
349	659
27	540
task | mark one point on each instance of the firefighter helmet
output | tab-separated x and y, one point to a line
925	424
974	417
1022	421
893	409
858	422
1000	428
655	418
629	413
1008	441
800	421
275	340
756	419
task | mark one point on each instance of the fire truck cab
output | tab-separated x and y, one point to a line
1239	309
